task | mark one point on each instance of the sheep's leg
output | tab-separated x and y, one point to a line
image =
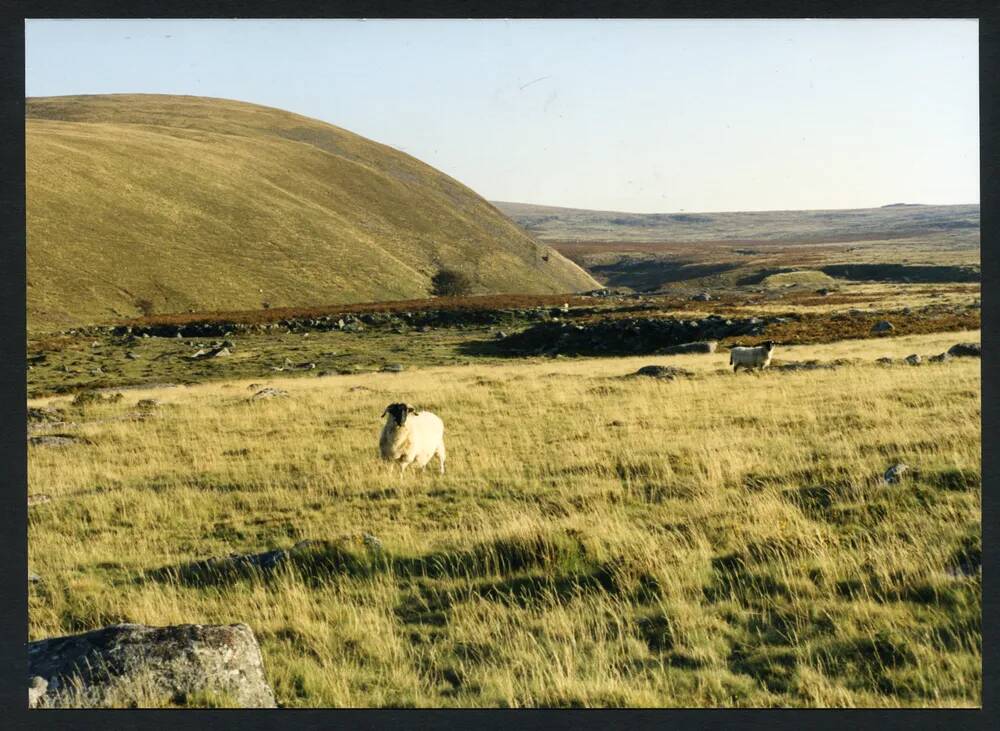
440	456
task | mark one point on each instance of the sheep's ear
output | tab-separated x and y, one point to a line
411	409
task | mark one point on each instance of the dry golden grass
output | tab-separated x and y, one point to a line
597	540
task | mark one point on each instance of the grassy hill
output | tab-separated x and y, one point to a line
170	203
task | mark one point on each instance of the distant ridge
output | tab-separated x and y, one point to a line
551	223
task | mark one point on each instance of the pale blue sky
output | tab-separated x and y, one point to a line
644	116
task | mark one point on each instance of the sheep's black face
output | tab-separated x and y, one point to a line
769	345
398	412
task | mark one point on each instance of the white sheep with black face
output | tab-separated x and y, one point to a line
751	358
410	436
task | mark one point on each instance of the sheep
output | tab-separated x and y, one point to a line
750	358
411	436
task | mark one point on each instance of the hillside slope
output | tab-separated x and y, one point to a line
550	223
171	203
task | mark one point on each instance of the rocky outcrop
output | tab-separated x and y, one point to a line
966	350
132	664
626	336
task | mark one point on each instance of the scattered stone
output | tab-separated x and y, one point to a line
807	365
940	358
372	543
823	292
215	352
883	326
53	440
668	373
36	689
895	473
210	569
912	359
966	350
702	297
147	404
266	393
254	386
699	347
38	499
34	578
132	355
616	422
885	360
425	328
393	368
85	398
44	414
149	664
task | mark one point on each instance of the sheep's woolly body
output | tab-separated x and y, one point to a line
750	358
416	441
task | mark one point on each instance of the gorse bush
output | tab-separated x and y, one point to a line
450	283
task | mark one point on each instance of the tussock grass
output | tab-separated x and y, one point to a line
726	542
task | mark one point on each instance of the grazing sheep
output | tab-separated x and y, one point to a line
411	436
750	358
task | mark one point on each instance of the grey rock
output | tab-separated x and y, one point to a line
807	365
214	352
912	359
38	498
132	355
668	373
940	358
53	440
966	350
706	346
372	543
36	689
701	297
895	473
266	393
132	662
393	368
823	292
44	414
883	326
885	360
